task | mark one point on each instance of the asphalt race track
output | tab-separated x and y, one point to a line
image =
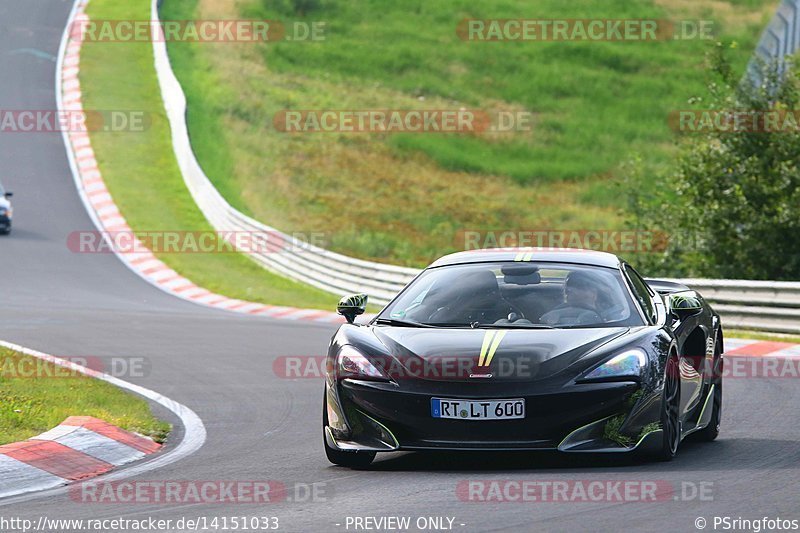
262	427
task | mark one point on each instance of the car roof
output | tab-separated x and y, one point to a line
552	255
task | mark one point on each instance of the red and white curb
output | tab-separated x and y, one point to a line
79	448
83	447
753	348
108	218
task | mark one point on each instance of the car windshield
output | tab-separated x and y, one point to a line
515	294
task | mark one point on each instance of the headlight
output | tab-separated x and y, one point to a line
630	364
350	363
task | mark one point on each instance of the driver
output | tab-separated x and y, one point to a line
581	293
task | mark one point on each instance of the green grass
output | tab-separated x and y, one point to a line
402	197
611	430
142	174
32	405
761	336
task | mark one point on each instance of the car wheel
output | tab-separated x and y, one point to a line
343	458
670	415
711	431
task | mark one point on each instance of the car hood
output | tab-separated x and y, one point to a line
519	355
4	202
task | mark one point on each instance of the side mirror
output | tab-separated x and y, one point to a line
685	304
351	306
9	194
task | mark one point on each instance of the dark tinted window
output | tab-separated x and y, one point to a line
517	293
643	293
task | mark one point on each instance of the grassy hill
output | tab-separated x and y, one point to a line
404	198
142	175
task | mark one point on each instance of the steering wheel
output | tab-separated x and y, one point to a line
471	316
614	313
566	310
514	311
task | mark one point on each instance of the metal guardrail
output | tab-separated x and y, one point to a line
761	305
757	305
780	39
300	261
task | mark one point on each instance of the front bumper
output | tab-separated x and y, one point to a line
378	416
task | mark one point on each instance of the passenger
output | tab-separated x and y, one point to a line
580	307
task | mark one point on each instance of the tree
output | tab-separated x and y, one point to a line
731	202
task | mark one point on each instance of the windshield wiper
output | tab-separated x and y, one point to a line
402	323
511	326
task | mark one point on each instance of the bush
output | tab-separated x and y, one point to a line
730	203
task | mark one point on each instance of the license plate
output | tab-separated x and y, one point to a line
478	409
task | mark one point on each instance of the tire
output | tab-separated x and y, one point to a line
356	460
670	411
711	431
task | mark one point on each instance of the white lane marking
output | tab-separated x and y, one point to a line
84	171
35	52
194	432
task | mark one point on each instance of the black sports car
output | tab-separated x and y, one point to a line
525	349
6	211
